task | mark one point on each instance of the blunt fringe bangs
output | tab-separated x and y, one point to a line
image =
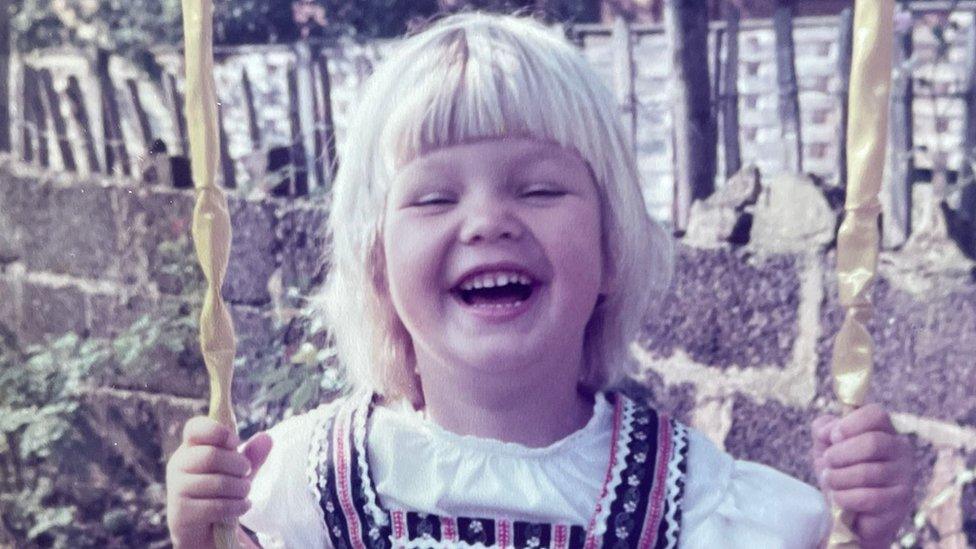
468	77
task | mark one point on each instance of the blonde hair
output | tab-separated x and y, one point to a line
468	77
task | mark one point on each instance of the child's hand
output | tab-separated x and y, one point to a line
207	480
866	468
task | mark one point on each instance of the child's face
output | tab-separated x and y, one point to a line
493	255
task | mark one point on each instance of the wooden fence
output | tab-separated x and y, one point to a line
82	125
86	119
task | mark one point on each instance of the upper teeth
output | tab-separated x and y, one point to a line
491	280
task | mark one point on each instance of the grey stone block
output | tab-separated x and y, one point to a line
924	348
179	373
255	330
253	254
61	230
51	311
969	505
304	243
774	434
724	310
166	218
108	315
10	316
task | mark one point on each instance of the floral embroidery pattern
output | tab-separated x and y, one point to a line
629	524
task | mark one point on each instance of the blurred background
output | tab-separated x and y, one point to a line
735	109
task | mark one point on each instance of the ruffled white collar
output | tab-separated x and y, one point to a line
416	422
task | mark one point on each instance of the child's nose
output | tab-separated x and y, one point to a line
490	223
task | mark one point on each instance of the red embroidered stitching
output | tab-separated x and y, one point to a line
345	486
502	529
448	530
560	537
655	506
399	531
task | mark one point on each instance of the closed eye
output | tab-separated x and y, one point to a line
434	200
543	193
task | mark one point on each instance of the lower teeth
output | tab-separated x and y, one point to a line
500	305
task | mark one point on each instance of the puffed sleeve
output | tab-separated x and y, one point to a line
741	504
284	512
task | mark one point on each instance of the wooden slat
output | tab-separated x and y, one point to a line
254	131
305	108
900	169
687	26
115	153
5	95
623	76
178	112
76	102
28	130
730	91
145	129
844	52
227	174
327	137
298	184
32	99
53	104
789	104
969	138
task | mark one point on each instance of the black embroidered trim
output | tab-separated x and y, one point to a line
624	523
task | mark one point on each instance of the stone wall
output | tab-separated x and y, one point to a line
739	349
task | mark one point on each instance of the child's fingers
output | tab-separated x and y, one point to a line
208	511
214	487
871	417
256	450
873	446
871	501
202	430
820	430
212	460
871	528
862	475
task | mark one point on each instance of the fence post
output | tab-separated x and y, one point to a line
34	114
53	103
147	137
968	171
305	94
297	155
80	113
623	76
686	22
844	52
899	170
789	105
729	91
179	115
254	132
111	117
5	136
325	137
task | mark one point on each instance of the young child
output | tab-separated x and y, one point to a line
492	261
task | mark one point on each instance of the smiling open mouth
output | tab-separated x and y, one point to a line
512	294
495	290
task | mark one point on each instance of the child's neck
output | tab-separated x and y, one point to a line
497	407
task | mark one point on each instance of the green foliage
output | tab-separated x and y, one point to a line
125	27
63	484
49	433
292	377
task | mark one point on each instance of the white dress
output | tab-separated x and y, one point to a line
415	464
